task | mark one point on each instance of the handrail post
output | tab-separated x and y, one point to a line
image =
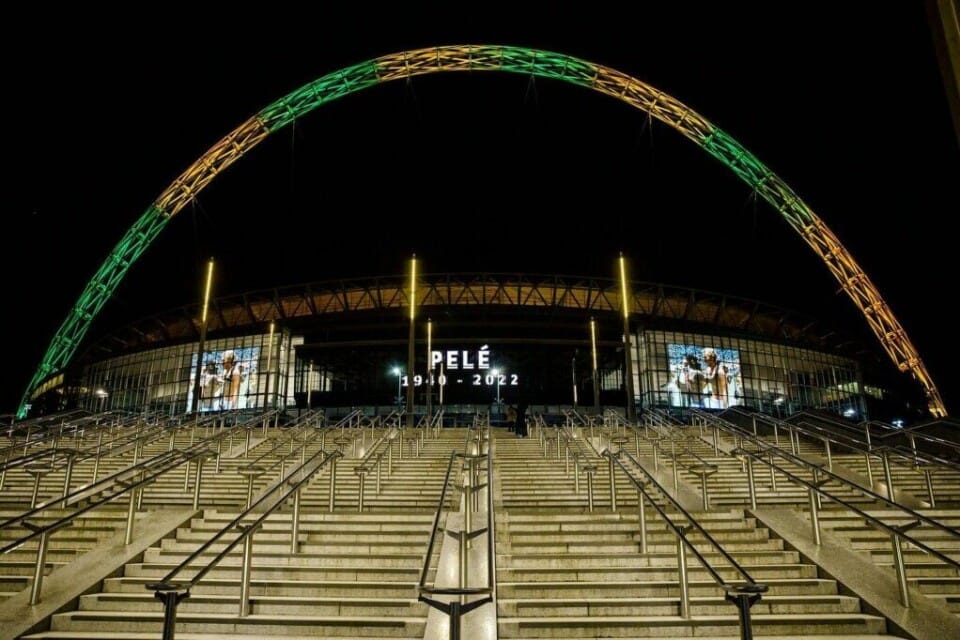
590	471
886	474
170	597
613	482
676	466
246	445
826	443
703	490
576	475
196	483
131	511
901	569
390	456
37	474
814	516
363	476
682	569
866	458
464	534
926	475
898	563
251	474
773	474
817	483
379	466
643	521
67	476
96	461
332	499
744	597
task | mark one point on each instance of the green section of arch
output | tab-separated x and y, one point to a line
94	296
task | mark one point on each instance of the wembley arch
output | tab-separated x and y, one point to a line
407	64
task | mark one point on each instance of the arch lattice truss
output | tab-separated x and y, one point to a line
545	64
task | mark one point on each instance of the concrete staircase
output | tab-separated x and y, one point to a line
564	571
353	574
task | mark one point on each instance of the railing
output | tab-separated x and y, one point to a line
766	452
896	532
373	461
581	462
171	593
742	594
914	460
459	605
129	481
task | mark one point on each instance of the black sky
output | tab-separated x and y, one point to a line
481	171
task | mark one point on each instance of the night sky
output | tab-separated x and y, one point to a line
481	172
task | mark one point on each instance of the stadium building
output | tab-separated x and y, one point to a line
492	339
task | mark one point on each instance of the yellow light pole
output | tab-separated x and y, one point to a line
627	356
429	380
410	353
203	337
593	359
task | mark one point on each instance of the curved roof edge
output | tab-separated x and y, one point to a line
294	304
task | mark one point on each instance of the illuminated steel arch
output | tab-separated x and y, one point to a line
545	64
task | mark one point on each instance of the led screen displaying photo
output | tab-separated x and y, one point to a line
704	377
226	380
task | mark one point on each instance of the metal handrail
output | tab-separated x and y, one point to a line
456	608
874	521
909	458
765	447
744	595
165	462
436	518
166	580
171	593
491	568
686	514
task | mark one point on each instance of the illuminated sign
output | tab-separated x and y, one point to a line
454	360
457	366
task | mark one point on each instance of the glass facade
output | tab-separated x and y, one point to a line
248	372
673	369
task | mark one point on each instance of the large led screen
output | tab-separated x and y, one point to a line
227	379
704	377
